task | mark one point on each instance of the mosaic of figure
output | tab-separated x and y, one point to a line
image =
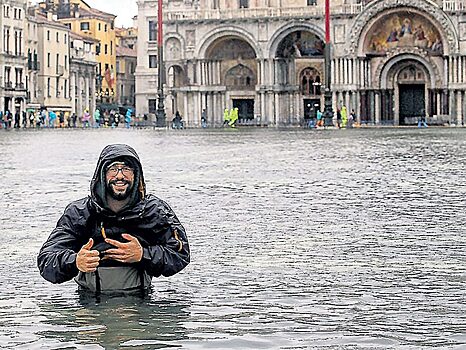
300	44
229	49
403	29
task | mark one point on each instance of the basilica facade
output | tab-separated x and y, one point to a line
392	62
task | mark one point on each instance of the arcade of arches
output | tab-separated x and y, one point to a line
401	70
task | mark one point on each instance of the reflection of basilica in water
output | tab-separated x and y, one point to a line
392	61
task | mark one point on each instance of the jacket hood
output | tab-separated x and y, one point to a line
110	154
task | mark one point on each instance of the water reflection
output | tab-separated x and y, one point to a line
349	239
113	322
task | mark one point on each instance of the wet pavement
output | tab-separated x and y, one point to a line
300	239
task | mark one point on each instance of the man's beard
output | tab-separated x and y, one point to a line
119	195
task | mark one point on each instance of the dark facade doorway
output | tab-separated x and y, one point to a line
311	105
7	104
245	108
412	103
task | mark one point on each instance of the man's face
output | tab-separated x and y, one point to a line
120	180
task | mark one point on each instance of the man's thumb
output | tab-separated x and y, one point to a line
89	244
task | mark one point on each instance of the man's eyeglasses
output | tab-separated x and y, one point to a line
125	170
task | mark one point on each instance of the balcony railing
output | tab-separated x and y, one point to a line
19	86
9	85
262	12
454	5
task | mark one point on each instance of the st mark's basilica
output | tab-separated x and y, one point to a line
392	61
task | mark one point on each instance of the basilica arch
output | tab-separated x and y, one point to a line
298	52
397	53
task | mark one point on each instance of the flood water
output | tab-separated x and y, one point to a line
300	239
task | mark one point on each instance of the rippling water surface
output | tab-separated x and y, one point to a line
340	239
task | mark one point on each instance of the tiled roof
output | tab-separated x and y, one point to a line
125	51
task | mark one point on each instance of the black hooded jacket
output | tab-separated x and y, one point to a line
146	217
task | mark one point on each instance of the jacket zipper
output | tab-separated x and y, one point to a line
177	238
102	230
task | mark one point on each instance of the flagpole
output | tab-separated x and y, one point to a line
160	113
328	112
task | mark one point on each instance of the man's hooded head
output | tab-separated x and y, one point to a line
125	184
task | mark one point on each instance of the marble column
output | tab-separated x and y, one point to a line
73	93
262	107
197	106
377	107
459	112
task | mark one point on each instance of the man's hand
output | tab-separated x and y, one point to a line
130	252
87	260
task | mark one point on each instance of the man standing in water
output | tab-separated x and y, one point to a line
118	238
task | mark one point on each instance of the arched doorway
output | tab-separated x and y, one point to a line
404	46
310	88
411	94
405	96
175	80
238	73
299	68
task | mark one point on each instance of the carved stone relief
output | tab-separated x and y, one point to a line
190	38
173	49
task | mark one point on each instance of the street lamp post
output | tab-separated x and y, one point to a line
328	112
160	114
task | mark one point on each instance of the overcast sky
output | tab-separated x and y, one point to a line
125	10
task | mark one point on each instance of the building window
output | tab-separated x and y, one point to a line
111	47
65	89
311	2
152	30
57	90
152	61
64	38
58	39
20	42
97	49
66	62
84	25
57	63
105	28
310	82
106	49
243	4
100	27
16	43
7	75
48	34
215	4
48	59
48	87
6	40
